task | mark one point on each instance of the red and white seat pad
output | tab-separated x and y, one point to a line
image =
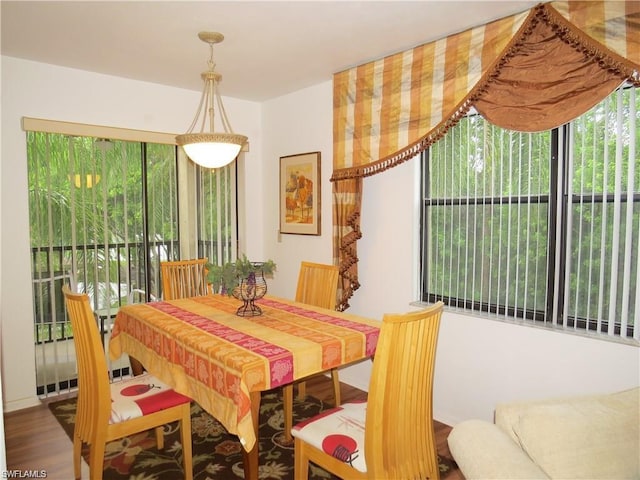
141	395
338	432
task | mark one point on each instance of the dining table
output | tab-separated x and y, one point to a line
203	349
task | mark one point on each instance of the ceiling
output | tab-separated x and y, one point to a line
271	47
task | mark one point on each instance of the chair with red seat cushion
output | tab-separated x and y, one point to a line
108	411
390	436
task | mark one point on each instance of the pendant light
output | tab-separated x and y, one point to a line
211	149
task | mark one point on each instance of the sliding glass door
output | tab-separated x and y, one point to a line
103	214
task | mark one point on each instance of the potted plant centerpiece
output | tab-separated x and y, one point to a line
244	280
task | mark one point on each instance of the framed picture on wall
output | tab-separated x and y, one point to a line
300	194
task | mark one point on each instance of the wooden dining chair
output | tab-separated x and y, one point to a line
391	435
108	411
317	285
184	278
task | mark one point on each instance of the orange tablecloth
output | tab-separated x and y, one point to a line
204	350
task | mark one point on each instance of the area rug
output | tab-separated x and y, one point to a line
216	453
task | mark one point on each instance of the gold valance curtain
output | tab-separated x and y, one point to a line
531	71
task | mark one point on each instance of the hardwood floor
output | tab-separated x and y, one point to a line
35	440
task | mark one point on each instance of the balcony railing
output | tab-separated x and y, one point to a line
53	267
106	272
131	266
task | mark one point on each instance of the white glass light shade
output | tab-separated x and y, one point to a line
211	150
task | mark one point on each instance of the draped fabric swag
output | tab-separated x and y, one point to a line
532	71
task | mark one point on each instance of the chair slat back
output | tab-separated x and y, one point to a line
317	284
399	438
94	393
184	278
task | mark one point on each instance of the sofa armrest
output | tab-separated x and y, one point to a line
483	451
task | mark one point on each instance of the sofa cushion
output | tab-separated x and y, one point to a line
596	437
484	451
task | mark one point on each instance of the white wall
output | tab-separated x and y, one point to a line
480	362
45	91
296	123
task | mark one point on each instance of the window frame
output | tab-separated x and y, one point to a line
185	243
555	308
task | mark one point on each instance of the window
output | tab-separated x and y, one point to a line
217	214
541	227
103	215
104	210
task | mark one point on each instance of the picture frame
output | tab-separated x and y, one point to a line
300	200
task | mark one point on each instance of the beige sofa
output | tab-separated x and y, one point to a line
586	437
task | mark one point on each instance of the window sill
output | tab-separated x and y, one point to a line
526	323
